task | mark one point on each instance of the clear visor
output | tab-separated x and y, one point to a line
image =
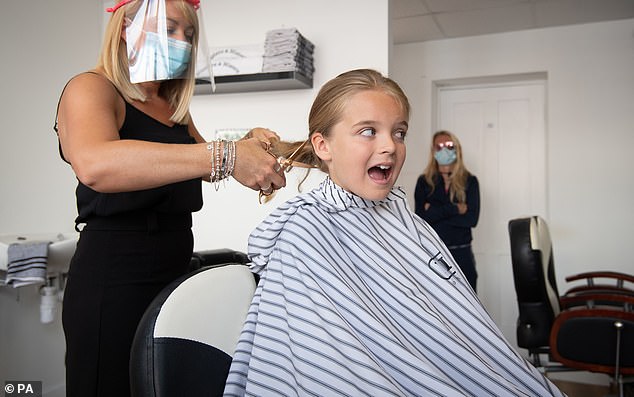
162	38
203	73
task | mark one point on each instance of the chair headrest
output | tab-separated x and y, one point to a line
540	238
541	241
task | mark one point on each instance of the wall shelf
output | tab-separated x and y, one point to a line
272	81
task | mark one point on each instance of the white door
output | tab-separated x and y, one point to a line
502	132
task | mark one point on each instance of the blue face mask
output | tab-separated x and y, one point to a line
157	61
445	156
179	54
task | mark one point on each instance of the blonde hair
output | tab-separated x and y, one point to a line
113	61
459	173
328	107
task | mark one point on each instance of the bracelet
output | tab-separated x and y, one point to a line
218	163
223	160
226	165
210	148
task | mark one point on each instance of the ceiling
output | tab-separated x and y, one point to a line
424	20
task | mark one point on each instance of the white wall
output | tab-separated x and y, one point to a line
38	189
590	128
341	41
44	43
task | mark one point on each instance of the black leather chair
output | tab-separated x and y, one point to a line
590	327
535	284
186	338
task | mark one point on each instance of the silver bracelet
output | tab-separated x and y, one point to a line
210	148
223	159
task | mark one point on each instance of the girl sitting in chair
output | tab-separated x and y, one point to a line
358	295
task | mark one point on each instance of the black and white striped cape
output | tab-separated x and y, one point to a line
360	298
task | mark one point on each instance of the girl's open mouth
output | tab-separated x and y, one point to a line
380	173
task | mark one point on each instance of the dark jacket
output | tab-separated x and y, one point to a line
454	229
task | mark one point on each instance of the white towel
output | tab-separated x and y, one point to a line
27	263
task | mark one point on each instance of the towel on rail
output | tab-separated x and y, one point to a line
27	263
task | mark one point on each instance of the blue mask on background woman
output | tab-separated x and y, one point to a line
445	156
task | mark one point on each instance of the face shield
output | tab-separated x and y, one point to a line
162	39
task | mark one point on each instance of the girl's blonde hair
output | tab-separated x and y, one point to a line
329	105
114	63
459	173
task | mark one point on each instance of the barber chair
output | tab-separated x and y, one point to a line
185	341
590	327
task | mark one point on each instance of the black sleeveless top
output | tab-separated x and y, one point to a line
175	198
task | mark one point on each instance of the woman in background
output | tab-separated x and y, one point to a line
447	196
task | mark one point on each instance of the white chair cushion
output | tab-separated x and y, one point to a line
197	309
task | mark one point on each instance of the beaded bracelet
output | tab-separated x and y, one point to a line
210	148
223	159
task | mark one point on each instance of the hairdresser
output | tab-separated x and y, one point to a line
126	130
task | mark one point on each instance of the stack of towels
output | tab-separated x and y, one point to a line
286	50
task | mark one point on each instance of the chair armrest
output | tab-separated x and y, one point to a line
221	256
594	299
617	285
622	277
599	289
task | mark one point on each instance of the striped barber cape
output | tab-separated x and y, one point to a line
361	298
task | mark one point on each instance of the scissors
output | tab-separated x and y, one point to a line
284	165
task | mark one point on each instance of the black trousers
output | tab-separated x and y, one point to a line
113	277
465	259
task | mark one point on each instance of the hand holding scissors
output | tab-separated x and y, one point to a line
283	165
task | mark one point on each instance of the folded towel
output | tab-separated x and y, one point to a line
27	263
